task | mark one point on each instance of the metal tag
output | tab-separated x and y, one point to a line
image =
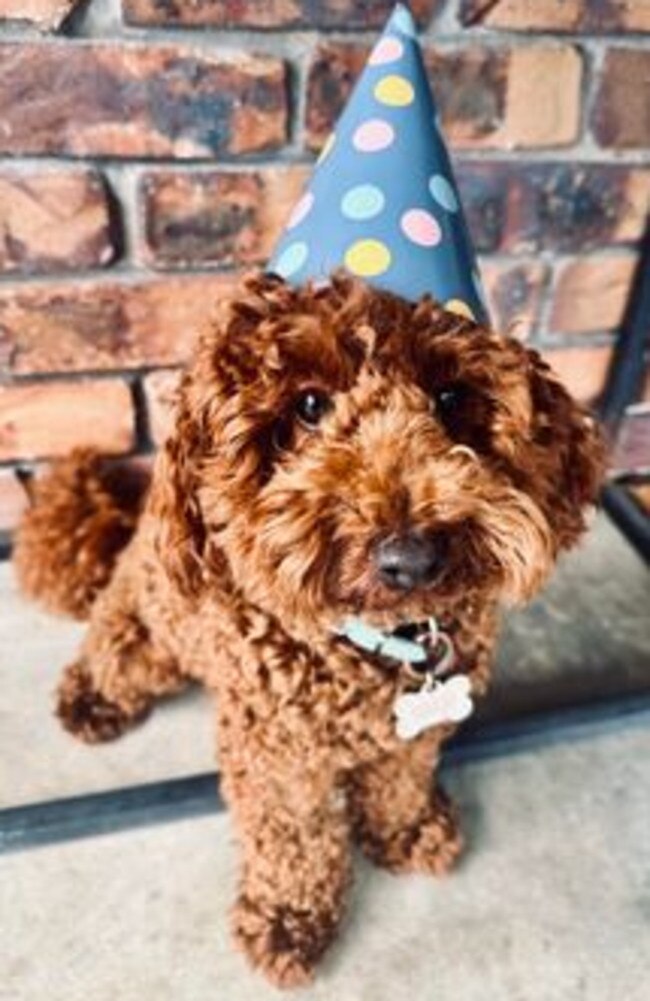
437	702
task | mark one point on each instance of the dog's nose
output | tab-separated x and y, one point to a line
408	561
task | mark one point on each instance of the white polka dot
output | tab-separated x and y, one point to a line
373	135
387	50
421	227
301	210
443	192
365	201
292	259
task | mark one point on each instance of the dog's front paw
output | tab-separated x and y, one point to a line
86	713
431	844
283	943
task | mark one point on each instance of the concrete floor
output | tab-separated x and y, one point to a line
588	636
38	759
552	902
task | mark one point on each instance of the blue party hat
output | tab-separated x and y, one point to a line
382	202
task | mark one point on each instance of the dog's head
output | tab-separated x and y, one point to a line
339	451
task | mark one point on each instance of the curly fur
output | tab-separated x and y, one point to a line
79	520
256	540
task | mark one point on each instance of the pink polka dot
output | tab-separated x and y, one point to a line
301	210
387	50
373	136
421	227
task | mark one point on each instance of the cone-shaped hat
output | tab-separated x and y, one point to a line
383	201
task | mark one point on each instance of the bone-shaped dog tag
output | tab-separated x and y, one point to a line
448	701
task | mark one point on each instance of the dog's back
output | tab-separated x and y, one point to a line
83	512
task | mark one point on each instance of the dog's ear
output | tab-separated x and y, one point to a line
567	458
179	534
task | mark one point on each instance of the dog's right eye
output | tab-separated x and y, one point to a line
311	407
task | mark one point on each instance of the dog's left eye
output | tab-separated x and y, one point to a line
464	412
311	407
448	400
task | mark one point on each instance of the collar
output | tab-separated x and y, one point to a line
413	643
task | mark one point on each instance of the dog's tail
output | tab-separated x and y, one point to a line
82	513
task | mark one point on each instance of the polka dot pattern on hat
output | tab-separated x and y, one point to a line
460	307
421	227
301	210
365	201
402	19
373	136
387	50
367	258
327	148
395	91
383	202
292	259
443	193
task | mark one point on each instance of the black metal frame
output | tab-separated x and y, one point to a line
628	516
61	820
622	389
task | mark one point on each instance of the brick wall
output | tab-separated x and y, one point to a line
151	148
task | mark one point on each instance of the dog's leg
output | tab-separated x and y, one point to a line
402	820
120	672
294	834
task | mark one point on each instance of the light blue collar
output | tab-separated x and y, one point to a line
375	641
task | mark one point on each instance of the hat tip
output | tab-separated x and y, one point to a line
403	21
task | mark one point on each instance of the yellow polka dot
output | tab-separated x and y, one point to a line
460	308
327	148
367	258
394	90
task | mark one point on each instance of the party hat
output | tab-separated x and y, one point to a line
383	202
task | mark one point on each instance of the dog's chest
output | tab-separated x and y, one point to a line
348	705
338	700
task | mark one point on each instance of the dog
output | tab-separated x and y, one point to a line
341	460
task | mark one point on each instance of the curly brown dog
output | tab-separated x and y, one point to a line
337	452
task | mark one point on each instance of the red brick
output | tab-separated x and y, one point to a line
48	419
340	14
514	294
332	74
13	500
553	206
160	389
558	15
591	293
72	327
53	220
621	116
216	217
506	98
45	14
135	100
582	370
543	98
